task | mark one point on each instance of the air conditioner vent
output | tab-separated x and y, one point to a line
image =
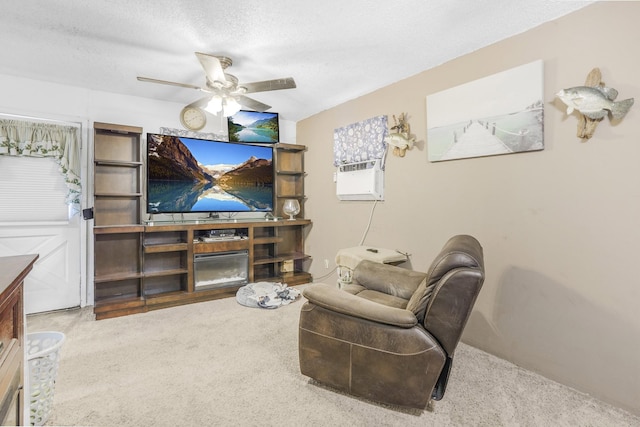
360	181
350	167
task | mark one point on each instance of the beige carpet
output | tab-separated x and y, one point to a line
219	363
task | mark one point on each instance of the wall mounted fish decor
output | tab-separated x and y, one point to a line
400	139
593	101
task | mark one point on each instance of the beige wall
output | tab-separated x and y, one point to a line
560	227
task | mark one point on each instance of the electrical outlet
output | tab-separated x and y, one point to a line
326	263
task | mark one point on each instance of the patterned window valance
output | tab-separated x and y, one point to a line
359	142
20	138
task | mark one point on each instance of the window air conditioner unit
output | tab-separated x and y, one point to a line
360	181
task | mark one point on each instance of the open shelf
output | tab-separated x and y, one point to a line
169	247
280	258
266	240
290	176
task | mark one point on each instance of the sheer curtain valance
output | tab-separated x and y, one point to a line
21	138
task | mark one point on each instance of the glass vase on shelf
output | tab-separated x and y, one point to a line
291	207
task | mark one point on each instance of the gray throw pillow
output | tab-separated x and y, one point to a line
419	300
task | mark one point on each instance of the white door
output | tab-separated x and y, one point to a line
44	229
54	282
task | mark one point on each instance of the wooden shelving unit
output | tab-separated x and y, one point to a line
278	252
144	267
289	184
117	230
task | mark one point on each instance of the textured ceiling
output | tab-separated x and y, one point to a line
336	50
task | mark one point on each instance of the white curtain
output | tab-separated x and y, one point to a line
21	138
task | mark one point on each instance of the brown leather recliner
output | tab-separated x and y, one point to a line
391	335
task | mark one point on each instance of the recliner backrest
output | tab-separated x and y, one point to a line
389	279
456	274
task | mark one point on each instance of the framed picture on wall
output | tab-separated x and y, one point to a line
499	114
253	126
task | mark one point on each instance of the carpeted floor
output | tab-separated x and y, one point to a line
218	363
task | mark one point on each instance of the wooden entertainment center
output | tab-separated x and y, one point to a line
140	265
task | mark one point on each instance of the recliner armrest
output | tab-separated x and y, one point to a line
334	299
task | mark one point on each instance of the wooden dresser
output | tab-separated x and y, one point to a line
13	271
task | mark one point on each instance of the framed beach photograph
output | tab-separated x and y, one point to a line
499	114
253	126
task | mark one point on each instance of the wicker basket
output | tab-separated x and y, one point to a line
43	356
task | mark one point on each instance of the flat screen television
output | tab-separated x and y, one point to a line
186	175
254	126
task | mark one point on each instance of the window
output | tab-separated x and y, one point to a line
32	189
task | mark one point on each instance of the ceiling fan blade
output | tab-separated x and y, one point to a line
164	82
277	84
201	103
252	104
212	67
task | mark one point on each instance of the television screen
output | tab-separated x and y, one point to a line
252	126
197	175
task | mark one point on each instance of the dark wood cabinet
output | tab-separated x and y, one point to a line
139	266
164	276
13	271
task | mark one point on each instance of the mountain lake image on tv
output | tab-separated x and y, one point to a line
196	175
253	126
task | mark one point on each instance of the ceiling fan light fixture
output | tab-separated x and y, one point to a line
231	106
215	105
223	93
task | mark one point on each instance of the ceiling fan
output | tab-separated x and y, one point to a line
223	92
